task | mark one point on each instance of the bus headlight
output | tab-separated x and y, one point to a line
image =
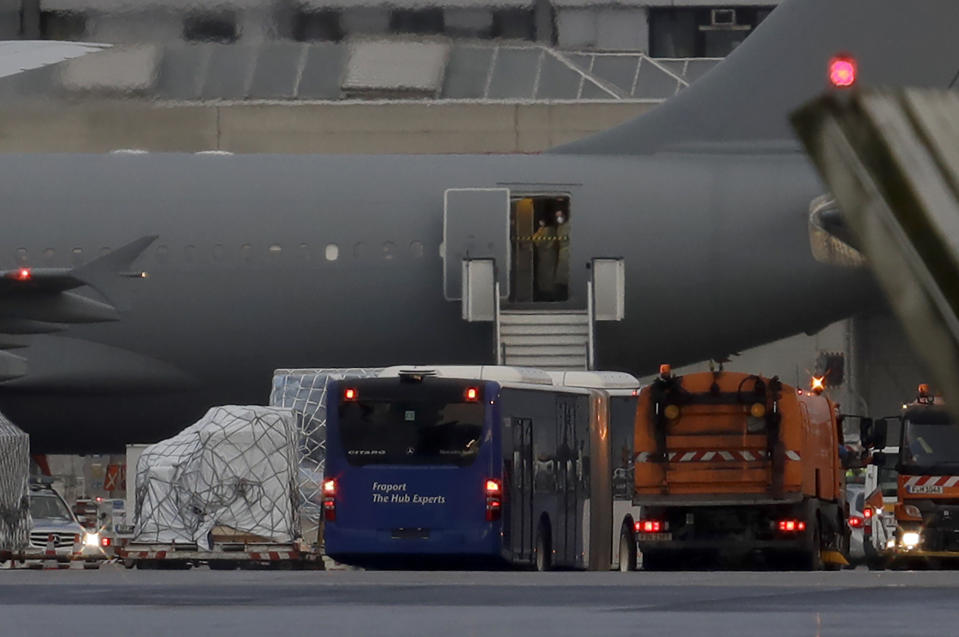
91	540
910	539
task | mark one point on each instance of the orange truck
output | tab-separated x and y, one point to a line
927	494
732	466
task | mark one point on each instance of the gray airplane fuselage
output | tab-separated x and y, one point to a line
715	246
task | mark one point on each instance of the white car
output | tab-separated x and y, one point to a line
53	518
855	496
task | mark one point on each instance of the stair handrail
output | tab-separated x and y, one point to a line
590	322
499	333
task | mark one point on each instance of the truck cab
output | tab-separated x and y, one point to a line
927	491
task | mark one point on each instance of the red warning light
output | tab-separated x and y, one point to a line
472	394
350	394
842	71
24	274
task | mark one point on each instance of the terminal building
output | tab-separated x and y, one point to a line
662	28
405	76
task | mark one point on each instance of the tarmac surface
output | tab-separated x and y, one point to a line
115	601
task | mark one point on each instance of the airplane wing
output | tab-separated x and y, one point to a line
40	301
17	56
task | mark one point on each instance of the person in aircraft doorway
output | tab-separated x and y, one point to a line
544	261
561	273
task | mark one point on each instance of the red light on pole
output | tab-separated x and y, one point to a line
24	274
842	71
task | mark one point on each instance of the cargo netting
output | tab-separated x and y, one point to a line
304	391
232	474
15	521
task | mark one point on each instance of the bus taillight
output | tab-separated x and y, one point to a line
472	394
350	394
329	500
494	500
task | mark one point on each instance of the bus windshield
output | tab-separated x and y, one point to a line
410	430
931	439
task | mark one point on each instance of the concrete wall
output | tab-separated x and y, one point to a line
305	128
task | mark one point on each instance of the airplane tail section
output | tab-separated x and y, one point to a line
746	100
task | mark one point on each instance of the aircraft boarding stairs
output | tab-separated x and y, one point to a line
552	340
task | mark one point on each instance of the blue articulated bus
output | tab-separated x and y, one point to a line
491	465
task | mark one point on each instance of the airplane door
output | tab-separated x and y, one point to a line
475	226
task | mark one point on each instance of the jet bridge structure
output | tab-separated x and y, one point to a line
891	158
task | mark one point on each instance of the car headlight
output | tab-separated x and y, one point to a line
91	539
910	539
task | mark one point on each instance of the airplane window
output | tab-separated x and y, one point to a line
275	250
22	255
218	252
305	252
359	250
48	255
77	256
416	249
332	252
246	252
388	249
162	253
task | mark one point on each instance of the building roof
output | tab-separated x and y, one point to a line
389	68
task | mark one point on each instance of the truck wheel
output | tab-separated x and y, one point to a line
543	560
627	551
813	557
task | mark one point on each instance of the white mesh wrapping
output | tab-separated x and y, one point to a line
234	469
15	521
304	391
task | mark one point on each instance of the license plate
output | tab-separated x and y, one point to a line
656	537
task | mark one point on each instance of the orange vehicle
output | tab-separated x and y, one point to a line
927	494
729	465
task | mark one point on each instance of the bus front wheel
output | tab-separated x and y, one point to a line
543	559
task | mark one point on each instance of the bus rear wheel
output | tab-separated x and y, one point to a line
543	559
627	552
